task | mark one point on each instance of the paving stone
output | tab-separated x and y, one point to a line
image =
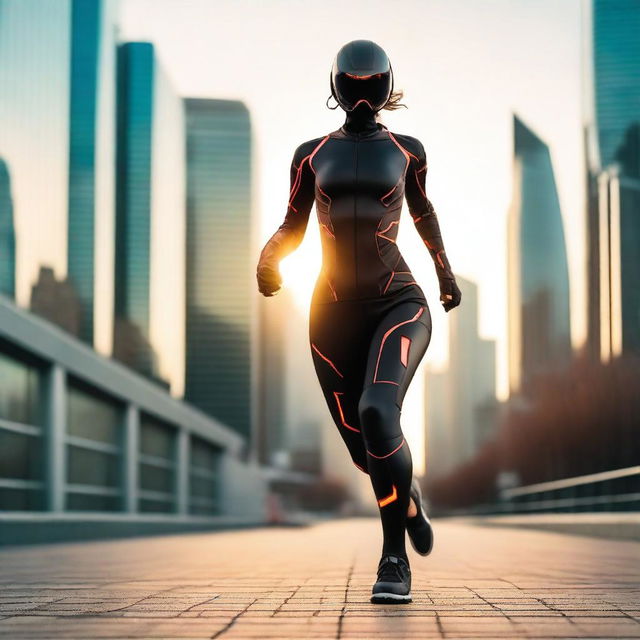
315	582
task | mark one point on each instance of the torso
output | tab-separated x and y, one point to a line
359	191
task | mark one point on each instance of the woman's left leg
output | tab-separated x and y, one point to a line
399	343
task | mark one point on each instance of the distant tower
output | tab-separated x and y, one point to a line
220	273
272	432
7	235
457	399
150	206
91	157
538	306
612	115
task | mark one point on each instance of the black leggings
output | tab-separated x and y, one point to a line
365	354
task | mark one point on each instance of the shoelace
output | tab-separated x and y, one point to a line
390	572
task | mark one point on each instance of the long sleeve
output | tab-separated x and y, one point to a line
290	233
422	211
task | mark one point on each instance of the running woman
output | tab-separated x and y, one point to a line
369	324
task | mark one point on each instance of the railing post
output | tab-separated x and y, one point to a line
131	448
56	420
182	472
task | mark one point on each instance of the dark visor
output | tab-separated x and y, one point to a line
374	89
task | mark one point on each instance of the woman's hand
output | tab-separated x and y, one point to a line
450	295
269	279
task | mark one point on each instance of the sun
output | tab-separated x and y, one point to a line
300	269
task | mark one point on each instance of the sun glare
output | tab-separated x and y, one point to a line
300	269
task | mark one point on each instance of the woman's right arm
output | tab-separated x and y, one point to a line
290	233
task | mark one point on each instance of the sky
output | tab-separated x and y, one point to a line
465	66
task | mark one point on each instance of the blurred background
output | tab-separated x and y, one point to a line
145	145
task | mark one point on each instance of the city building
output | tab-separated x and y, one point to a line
618	209
612	141
34	137
89	448
538	278
221	324
150	218
56	301
92	155
456	399
272	432
7	235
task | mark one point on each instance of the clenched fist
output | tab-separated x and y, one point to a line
269	279
450	295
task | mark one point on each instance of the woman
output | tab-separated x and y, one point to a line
369	321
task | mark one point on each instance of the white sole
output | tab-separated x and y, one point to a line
390	597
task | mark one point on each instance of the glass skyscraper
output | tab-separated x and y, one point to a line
539	322
7	235
455	430
613	151
616	73
150	204
34	135
220	275
91	193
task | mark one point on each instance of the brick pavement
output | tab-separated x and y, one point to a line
315	582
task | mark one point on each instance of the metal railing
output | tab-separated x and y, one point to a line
615	490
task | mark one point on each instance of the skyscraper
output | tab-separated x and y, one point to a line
150	212
34	135
539	322
612	115
454	397
7	235
220	276
272	432
618	208
91	183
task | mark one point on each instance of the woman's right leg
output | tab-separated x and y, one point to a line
339	351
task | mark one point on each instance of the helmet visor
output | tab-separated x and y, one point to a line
373	89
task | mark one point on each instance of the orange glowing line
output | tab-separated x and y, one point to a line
322	224
388	454
405	343
389	226
371	75
333	366
344	423
418	314
383	502
393	273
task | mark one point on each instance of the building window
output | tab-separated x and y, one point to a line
157	460
204	473
21	442
94	451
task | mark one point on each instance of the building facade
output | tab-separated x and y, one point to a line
150	218
90	448
538	278
456	400
7	235
612	124
92	156
220	289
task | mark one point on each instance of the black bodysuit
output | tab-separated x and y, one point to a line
369	323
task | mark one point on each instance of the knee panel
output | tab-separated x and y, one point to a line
379	415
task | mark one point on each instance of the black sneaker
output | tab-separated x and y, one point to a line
419	528
394	581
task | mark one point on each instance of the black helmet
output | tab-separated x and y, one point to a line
361	73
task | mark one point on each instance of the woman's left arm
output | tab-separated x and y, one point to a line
426	222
